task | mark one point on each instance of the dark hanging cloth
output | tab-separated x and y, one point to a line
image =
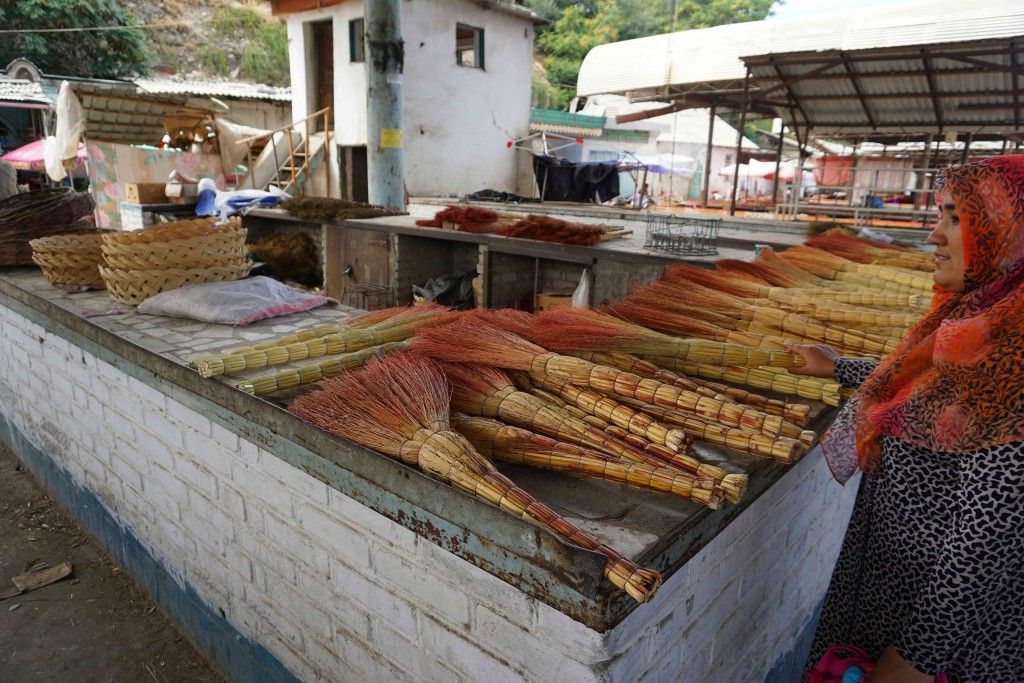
554	178
596	181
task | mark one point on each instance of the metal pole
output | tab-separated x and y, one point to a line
707	156
739	143
968	139
922	174
778	163
385	56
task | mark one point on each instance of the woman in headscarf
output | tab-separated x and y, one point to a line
930	578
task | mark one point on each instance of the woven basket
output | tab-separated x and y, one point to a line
219	248
178	230
70	260
135	286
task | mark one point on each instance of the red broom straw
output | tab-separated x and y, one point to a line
398	405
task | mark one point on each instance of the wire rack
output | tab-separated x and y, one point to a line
682	236
369	297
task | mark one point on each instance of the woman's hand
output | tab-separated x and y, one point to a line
819	360
892	668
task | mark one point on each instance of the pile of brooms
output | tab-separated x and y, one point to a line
532	227
619	394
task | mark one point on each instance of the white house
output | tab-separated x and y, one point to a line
465	86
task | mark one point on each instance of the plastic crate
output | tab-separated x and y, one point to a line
682	236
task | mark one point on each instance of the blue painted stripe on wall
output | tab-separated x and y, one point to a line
790	667
237	656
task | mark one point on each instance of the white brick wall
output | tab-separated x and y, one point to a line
338	592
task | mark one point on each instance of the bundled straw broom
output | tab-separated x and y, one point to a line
289	379
400	325
797	413
671	318
518	446
781	449
813	388
834	267
849	281
463	341
398	406
488	392
585	330
871	251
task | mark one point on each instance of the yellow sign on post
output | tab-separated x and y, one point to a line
391	138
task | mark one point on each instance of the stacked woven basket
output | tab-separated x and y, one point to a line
139	264
41	214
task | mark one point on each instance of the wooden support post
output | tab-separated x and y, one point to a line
739	143
707	157
778	164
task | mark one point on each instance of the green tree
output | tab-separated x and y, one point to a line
580	26
98	54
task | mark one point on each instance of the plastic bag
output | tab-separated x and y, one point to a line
581	296
451	290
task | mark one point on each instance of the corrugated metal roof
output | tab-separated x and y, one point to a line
909	69
715	54
225	89
689	125
12	90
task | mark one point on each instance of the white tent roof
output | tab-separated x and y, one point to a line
714	54
690	125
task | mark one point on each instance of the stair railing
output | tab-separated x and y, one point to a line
296	171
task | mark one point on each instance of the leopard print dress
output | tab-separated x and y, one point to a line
933	560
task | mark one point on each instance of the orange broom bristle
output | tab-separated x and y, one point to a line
740	287
382	405
666	322
517	322
775	261
397	313
573	330
467	341
772	277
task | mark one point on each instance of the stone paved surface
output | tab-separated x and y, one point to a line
180	339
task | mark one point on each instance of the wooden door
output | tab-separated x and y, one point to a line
358	265
323	67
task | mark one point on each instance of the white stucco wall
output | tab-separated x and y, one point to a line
457	120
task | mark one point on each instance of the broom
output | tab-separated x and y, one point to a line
578	329
870	251
834	267
814	388
671	318
289	379
398	406
488	392
397	327
849	281
518	446
796	413
781	449
463	341
767	273
723	281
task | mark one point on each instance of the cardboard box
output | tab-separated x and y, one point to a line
145	193
547	301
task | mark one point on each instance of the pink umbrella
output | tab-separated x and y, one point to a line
30	157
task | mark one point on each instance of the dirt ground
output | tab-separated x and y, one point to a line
94	625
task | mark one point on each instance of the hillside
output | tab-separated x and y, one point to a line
214	39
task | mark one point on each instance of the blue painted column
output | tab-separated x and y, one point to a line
384	60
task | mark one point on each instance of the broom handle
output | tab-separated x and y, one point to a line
782	449
610	380
308	374
876	299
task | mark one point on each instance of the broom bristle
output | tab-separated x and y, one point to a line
518	323
740	287
467	341
400	315
660	320
758	272
796	274
382	405
575	330
471	383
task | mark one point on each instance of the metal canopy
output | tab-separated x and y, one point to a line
895	93
895	73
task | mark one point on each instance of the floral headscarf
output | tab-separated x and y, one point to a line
955	383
